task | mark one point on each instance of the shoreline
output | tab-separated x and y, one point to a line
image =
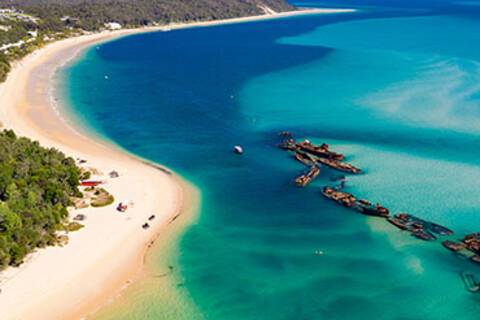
110	250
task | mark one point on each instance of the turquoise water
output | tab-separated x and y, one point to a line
397	90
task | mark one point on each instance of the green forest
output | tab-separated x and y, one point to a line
36	187
56	19
92	14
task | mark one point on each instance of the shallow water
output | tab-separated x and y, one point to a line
396	90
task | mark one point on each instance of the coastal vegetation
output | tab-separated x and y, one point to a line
26	25
101	198
36	187
73	226
92	15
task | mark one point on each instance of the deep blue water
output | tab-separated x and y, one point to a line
395	86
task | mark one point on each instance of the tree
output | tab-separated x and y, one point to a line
35	189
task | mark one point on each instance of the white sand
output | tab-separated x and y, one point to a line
72	281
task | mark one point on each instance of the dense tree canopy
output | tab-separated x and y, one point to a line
92	14
36	185
54	19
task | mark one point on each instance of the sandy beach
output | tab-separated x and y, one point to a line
72	281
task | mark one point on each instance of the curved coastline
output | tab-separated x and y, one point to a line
109	253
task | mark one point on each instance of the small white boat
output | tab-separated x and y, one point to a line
238	150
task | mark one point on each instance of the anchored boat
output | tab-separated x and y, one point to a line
424	235
472	241
309	153
338	165
343	198
238	149
305	158
454	246
420	228
305	179
398	223
366	207
322	150
348	200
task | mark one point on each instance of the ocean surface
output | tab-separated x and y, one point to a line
394	86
